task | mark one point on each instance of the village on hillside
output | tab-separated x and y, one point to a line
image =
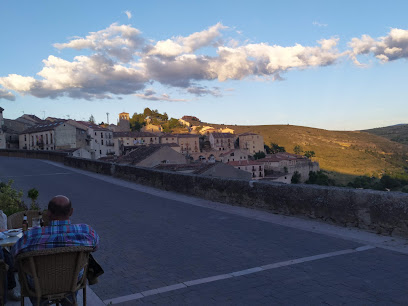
150	140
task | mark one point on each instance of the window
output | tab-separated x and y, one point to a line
32	140
46	138
100	152
25	137
51	138
102	142
95	133
101	135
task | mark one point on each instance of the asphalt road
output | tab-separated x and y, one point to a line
157	248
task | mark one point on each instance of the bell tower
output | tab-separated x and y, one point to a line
124	124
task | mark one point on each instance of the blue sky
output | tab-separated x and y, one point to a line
232	62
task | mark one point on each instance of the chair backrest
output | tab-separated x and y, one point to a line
53	271
3	275
16	219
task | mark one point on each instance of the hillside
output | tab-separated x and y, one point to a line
346	154
397	133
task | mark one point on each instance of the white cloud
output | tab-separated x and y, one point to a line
128	14
151	95
179	45
4	94
118	41
122	62
392	47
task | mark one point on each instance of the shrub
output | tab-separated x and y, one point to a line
10	199
296	178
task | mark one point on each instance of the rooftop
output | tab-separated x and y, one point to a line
223	135
245	163
133	134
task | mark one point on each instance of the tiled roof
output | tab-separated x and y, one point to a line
42	127
223	135
245	163
133	134
248	134
93	126
139	154
196	168
187	135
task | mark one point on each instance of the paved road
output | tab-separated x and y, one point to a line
157	248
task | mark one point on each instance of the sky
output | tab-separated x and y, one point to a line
336	65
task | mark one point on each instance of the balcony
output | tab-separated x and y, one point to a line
109	144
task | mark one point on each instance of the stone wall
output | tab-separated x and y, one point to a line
382	212
36	154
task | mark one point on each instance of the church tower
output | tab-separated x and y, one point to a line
124	124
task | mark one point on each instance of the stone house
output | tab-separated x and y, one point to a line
233	155
58	135
124	123
189	143
130	139
281	166
251	142
254	167
99	140
222	141
151	128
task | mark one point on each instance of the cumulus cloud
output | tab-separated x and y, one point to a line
179	45
128	14
122	62
118	41
392	47
151	95
4	94
93	77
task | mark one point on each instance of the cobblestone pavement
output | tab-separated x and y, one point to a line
154	239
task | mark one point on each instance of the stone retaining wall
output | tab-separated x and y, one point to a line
382	212
36	154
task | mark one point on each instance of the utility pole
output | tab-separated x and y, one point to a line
107	117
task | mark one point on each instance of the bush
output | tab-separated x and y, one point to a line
319	178
296	178
11	199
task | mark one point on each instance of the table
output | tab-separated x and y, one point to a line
10	241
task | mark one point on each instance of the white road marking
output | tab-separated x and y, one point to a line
210	279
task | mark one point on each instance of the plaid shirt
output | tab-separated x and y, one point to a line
58	234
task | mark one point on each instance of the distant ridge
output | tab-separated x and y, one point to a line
397	132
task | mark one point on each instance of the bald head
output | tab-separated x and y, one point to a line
59	208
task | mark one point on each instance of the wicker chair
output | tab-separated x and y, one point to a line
16	219
54	273
3	275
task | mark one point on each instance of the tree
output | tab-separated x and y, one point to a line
275	148
296	178
310	154
92	119
319	178
297	149
33	195
10	199
259	155
267	149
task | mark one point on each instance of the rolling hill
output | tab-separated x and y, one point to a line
343	154
397	133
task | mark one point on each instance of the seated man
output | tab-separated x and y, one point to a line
60	232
